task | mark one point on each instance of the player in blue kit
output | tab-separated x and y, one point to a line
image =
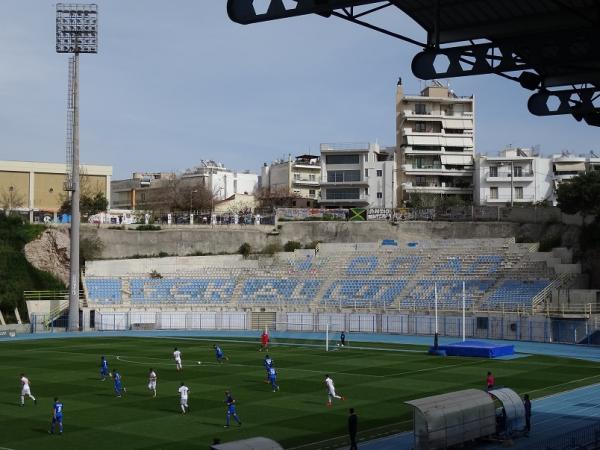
219	354
103	368
57	415
268	363
230	401
273	379
119	389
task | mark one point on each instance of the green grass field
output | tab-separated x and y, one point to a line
376	382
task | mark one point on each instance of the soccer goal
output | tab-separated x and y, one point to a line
303	334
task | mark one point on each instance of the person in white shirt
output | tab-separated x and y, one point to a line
152	377
177	358
331	391
26	390
183	393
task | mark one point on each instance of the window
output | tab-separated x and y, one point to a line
296	176
380	195
494	192
518	171
342	194
366	191
341	159
420	181
433	148
453	131
493	171
366	173
420	127
311	193
343	176
518	191
143	196
455	149
312	177
420	108
379	173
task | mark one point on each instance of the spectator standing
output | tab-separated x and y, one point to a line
352	428
527	405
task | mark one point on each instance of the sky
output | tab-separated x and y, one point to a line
176	82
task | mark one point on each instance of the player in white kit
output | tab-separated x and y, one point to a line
152	377
177	358
183	393
26	390
331	390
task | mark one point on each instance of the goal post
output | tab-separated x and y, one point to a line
304	335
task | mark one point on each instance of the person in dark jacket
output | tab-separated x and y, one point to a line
527	404
352	428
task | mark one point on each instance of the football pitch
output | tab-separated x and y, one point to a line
375	379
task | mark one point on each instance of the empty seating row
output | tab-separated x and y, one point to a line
276	291
104	290
449	293
513	293
181	290
363	293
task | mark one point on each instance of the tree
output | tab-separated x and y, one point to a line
277	197
176	194
580	194
88	204
11	199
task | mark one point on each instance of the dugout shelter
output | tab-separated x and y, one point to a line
441	421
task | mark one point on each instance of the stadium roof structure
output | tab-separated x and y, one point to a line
551	47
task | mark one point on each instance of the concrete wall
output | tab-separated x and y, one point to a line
185	241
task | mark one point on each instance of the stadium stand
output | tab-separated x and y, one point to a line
498	274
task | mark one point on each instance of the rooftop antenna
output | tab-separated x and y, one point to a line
76	32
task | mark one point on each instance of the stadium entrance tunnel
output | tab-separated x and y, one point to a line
445	420
257	443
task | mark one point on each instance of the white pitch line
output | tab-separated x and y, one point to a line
6	448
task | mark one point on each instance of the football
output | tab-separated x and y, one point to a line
199	362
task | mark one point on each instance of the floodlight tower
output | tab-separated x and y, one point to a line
76	32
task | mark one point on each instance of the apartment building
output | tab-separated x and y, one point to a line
435	133
515	176
357	175
298	177
143	187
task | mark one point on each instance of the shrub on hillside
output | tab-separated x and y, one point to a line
290	246
271	249
245	249
148	227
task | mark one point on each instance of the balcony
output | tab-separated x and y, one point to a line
525	177
306	182
343	183
435	188
409	169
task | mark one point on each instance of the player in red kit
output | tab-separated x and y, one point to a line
264	341
490	381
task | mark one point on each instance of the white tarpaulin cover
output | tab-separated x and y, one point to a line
569	167
513	405
457	160
449	419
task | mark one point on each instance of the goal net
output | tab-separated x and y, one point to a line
323	336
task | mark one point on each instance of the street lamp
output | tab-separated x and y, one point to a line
76	32
192	192
212	206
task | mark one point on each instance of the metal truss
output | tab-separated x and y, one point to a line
577	101
545	59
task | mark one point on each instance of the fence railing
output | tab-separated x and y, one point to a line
585	438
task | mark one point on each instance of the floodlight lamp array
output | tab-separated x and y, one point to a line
76	28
